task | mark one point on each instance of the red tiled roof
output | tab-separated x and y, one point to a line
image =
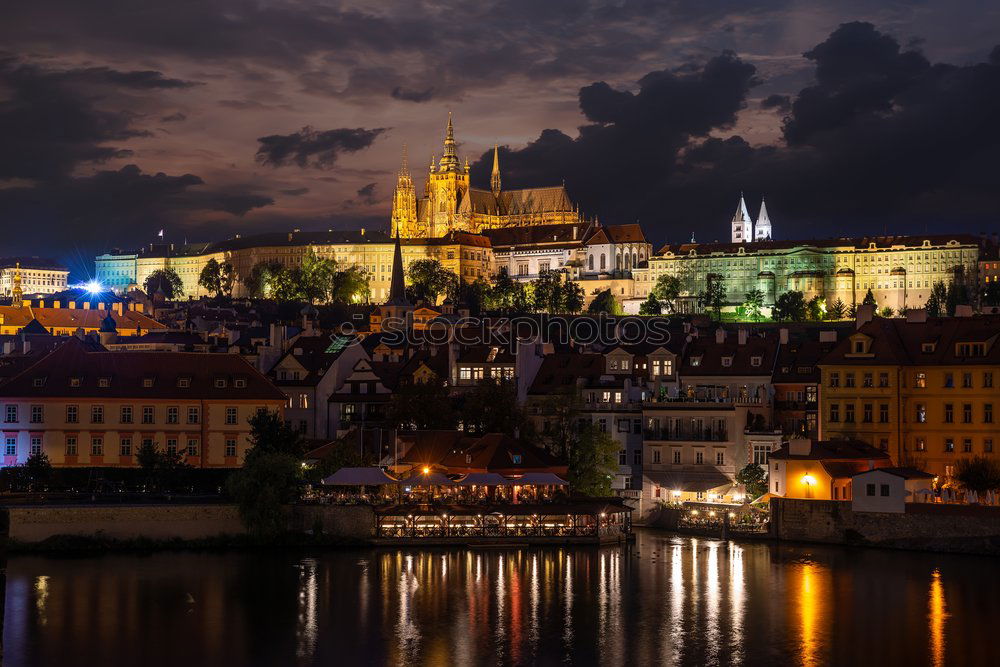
125	373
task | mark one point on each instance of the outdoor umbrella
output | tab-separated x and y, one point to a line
541	479
359	477
484	479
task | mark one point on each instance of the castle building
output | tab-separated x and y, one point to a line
762	229
451	204
31	275
742	224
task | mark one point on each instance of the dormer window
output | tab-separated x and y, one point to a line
220	383
184	382
38	382
756	361
240	383
859	347
696	361
74	382
927	348
147	382
103	382
727	362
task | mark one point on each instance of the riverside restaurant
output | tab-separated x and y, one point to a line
480	508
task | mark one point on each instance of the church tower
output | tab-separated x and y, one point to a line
16	295
495	176
448	185
762	230
404	203
742	223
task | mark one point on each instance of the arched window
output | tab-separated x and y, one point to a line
604	263
635	260
618	262
590	263
628	262
441	207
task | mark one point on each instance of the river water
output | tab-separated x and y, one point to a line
665	600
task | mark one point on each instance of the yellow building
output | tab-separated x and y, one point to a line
67	318
451	204
922	390
820	470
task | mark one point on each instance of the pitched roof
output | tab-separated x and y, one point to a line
832	450
560	372
315	354
934	342
43	263
860	243
492	452
631	233
704	356
125	373
89	319
563	233
904	472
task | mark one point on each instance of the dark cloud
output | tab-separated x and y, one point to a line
116	208
174	118
780	103
295	192
367	193
618	164
884	140
312	148
408	95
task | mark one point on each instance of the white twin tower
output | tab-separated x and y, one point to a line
744	228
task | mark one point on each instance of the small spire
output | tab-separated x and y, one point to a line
450	157
495	177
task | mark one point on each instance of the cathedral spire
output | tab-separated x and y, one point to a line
495	177
397	288
742	225
762	230
449	160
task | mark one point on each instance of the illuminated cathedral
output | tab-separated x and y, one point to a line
450	204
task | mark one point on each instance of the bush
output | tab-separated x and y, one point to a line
978	473
262	487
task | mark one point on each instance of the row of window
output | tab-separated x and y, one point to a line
948	445
868	380
479	373
699	457
948	416
126	414
124	446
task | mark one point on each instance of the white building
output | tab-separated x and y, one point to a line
887	489
38	276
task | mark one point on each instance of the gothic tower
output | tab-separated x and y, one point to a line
404	203
742	223
448	185
762	230
495	176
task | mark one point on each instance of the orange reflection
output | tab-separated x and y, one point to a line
811	600
936	618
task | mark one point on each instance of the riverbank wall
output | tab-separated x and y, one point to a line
923	526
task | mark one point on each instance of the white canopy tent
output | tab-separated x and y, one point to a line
484	479
540	479
359	477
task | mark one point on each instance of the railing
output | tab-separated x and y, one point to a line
610	406
795	405
427	527
723	401
682	434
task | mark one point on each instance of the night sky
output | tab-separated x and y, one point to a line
122	117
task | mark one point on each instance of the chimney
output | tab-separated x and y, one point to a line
916	315
742	334
866	313
799	446
362	231
71	304
56	304
117	307
720	335
86	305
963	310
783	336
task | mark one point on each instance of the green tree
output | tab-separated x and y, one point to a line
593	462
492	407
714	296
937	299
422	406
284	284
166	280
315	277
887	312
869	299
837	310
267	482
650	306
753	303
573	297
561	428
978	473
667	289
350	286
38	469
547	292
270	434
506	295
957	295
605	302
258	283
210	277
790	307
428	279
754	480
816	308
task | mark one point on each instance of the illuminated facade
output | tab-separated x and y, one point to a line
900	271
923	391
33	275
451	204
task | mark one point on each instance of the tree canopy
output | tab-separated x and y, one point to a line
790	307
605	302
593	462
428	280
166	280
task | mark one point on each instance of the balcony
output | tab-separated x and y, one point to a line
686	434
795	405
624	406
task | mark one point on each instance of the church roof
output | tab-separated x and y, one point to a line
562	233
516	202
397	288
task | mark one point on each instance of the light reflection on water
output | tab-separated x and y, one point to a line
667	599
